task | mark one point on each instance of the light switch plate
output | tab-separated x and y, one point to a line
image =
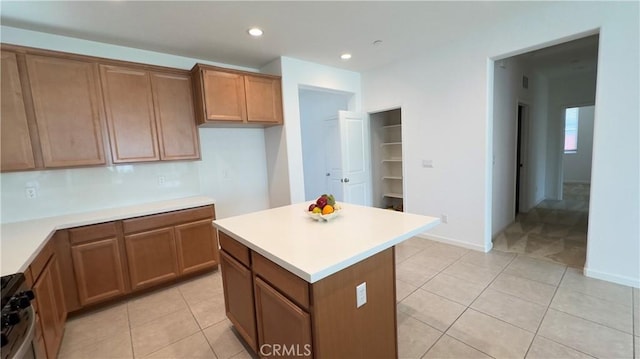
361	294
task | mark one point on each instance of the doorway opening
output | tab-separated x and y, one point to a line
549	176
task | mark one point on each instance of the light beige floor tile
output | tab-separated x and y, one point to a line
116	346
543	348
536	269
209	312
403	290
426	259
493	259
443	250
223	340
404	251
526	289
431	309
414	274
155	305
490	335
456	289
414	337
244	355
89	328
158	333
419	242
576	281
585	336
472	273
193	346
612	315
513	310
450	348
202	288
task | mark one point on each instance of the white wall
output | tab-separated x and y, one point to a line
285	143
447	106
564	91
315	108
232	170
508	92
577	166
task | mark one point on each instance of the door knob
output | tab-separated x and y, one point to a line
346	180
328	174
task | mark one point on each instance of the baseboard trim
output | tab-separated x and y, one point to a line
455	242
619	279
578	182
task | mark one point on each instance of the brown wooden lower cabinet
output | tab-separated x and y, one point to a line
196	246
152	257
50	307
237	282
294	318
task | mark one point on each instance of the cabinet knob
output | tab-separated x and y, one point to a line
328	174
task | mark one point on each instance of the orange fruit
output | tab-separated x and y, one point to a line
327	209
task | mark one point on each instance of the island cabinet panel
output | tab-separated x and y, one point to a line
67	106
236	249
175	117
281	322
264	99
237	281
372	328
16	148
98	261
294	287
152	257
49	304
130	114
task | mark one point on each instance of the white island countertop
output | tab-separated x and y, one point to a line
314	250
20	242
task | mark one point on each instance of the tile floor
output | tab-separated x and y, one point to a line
452	303
554	230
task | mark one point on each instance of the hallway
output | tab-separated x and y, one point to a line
554	230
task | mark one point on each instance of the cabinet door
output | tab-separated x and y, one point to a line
224	96
151	257
130	117
98	268
238	298
264	99
197	246
47	292
175	118
281	322
67	105
16	150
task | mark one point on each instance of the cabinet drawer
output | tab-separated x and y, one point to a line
166	219
236	249
41	260
91	233
296	288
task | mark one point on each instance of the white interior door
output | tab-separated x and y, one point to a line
347	157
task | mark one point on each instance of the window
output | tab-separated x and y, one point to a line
571	130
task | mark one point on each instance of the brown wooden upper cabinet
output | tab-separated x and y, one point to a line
150	115
234	97
66	102
16	150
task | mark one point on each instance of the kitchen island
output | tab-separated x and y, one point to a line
297	287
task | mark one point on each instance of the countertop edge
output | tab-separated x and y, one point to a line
321	274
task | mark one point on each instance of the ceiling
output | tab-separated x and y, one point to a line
316	31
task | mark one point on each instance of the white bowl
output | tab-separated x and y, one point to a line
324	217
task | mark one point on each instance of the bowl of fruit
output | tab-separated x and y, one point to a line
324	208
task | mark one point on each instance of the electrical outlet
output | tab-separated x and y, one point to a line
361	294
427	163
31	192
161	180
444	218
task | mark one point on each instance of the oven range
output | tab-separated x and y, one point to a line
18	319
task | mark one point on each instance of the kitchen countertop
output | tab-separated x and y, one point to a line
314	250
20	242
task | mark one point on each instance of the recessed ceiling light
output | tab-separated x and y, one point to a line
254	31
345	56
